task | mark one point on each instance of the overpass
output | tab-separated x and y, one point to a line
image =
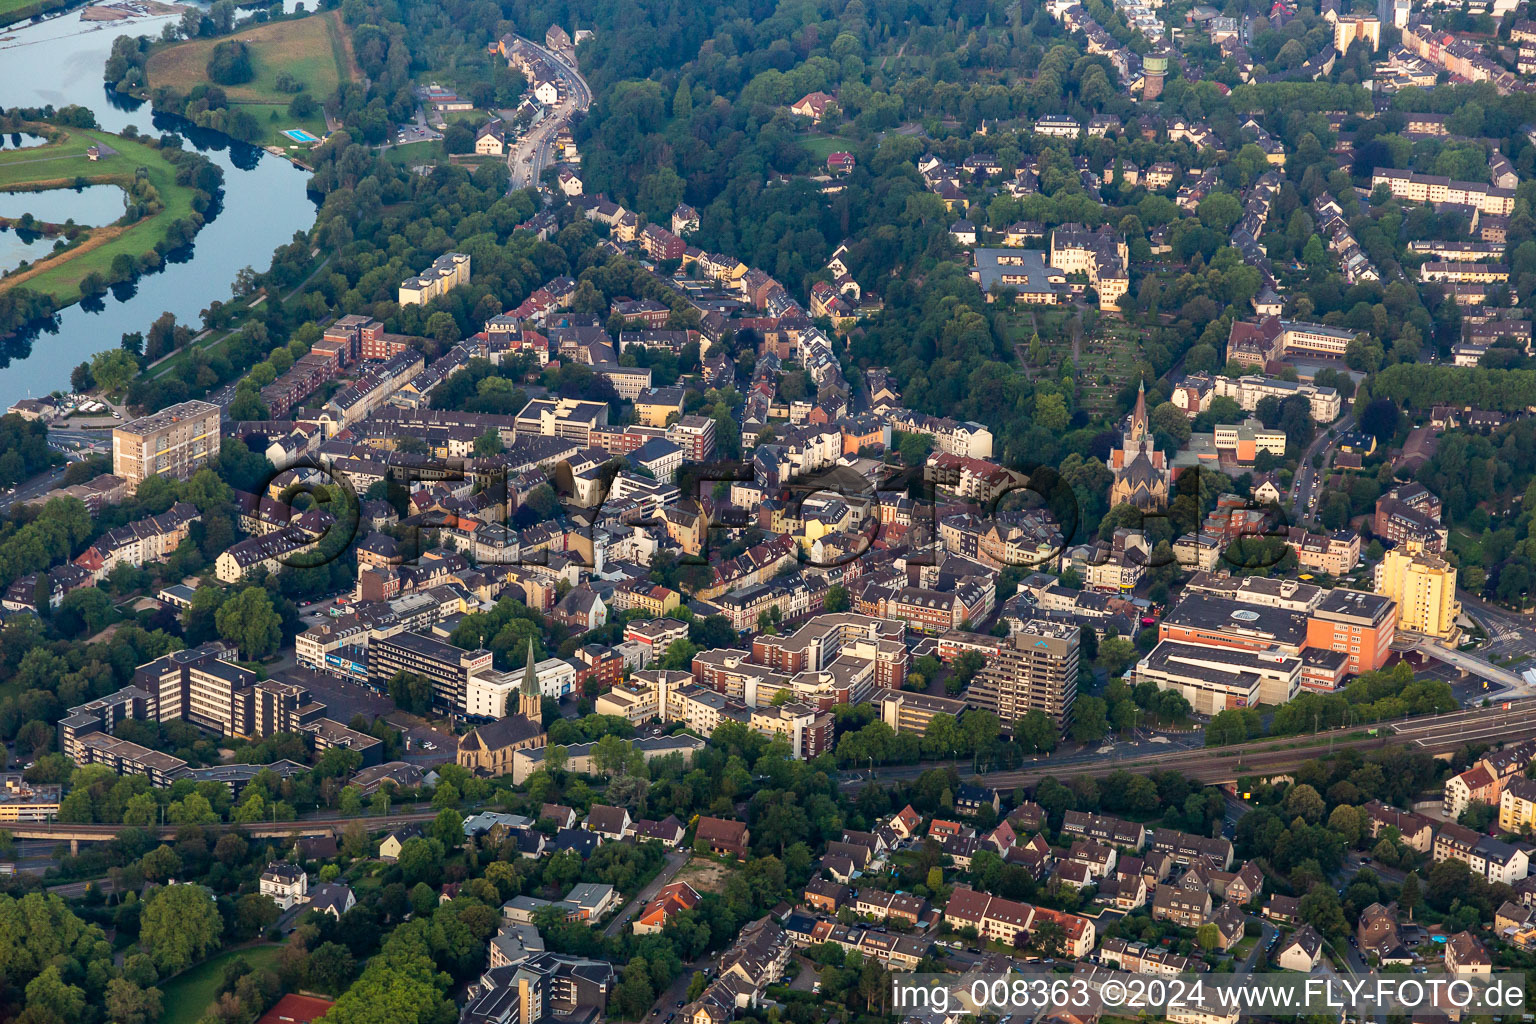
75	834
1474	666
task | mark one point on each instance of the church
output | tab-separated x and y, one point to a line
488	749
1140	471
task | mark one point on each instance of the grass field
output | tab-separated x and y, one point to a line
822	146
187	996
313	50
61	163
417	153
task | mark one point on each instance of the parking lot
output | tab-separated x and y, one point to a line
342	698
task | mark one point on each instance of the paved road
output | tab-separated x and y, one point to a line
76	890
1307	478
675	861
1266	936
34	488
535	151
1517	686
1434	734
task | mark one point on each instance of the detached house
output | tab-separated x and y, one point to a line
286	884
723	836
609	822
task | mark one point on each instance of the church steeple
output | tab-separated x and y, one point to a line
530	701
1139	414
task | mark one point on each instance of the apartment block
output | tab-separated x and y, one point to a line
1035	669
446	273
175	441
565	418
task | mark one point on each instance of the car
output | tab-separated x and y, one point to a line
679	1004
973	949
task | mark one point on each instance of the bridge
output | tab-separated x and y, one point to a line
1474	666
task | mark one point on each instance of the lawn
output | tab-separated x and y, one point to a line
414	154
187	996
314	50
62	163
822	146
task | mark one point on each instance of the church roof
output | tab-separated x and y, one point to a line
502	733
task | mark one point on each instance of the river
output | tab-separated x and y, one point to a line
60	61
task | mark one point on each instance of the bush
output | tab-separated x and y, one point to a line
231	63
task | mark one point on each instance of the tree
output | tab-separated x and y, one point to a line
1305	802
448	828
51	1000
1411	894
249	621
1208	936
836	599
127	1003
113	369
331	967
411	692
230	63
179	926
1090	719
254	914
679	655
488	443
1036	732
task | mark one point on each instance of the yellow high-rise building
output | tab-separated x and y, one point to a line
1424	587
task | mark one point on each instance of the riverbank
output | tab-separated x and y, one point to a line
103	254
13	11
260	206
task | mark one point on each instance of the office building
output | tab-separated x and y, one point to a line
1355	623
200	687
1034	670
566	418
175	441
447	667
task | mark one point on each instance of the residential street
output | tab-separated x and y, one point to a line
675	861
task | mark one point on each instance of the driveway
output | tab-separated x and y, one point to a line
675	861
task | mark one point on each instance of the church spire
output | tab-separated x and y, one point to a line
530	702
1139	414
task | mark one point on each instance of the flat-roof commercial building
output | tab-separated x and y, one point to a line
1211	621
446	666
1355	623
1214	679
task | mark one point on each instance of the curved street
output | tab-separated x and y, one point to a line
535	151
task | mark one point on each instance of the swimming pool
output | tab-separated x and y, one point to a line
300	135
